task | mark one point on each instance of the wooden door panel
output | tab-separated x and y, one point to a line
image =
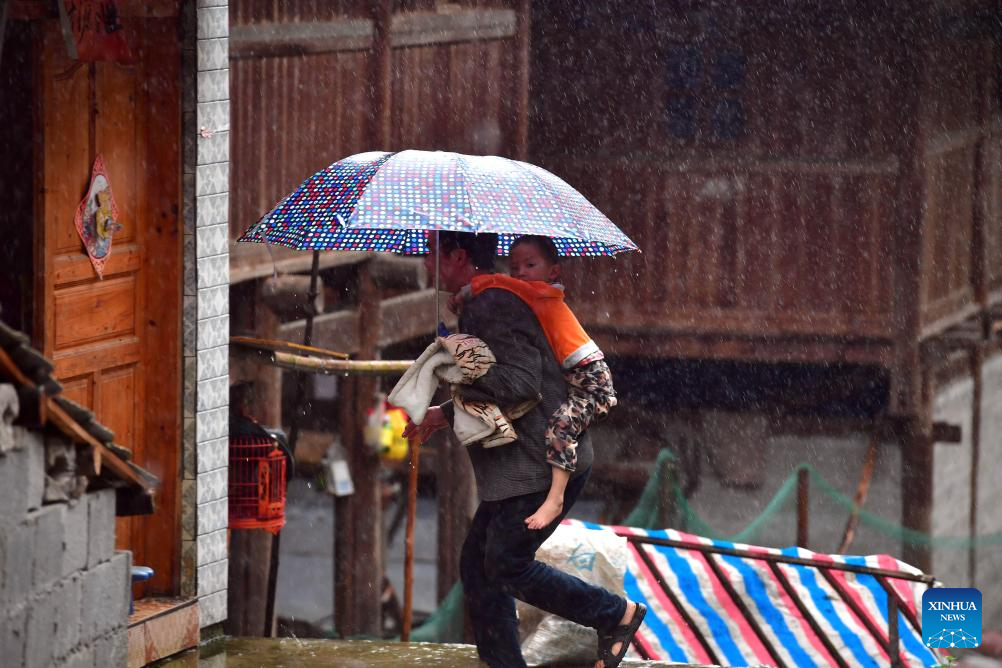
75	268
115	131
86	359
117	402
79	390
95	312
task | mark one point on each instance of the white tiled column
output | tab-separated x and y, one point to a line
207	137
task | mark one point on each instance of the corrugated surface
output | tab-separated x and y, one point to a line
762	250
790	226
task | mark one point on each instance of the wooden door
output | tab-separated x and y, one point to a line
115	340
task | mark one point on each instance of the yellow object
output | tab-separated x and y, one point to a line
392	444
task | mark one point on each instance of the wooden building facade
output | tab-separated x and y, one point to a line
809	184
143	344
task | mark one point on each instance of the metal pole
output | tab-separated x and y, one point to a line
803	479
415	452
892	631
438	288
311	297
977	371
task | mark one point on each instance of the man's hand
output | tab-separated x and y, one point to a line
434	420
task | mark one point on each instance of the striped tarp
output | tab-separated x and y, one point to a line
715	602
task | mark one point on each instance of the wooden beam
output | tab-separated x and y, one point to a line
288	295
917	483
464	25
909	274
250	261
397	272
944	432
358	34
359	552
403	318
523	38
977	372
381	81
300	38
456	497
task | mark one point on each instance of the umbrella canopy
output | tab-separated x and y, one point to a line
381	201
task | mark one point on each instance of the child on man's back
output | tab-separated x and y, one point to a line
535	269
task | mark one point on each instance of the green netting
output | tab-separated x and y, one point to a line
446	623
645	514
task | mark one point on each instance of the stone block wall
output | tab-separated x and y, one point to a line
64	590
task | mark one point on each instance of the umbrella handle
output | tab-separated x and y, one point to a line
412	481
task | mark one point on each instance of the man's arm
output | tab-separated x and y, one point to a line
504	322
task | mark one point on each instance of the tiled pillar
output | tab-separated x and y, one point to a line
206	126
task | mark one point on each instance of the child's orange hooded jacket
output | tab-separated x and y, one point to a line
570	343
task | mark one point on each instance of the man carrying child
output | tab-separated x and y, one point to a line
514	480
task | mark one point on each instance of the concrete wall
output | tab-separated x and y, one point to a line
64	590
952	489
205	124
839	459
752	450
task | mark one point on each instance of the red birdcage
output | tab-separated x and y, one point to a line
257	483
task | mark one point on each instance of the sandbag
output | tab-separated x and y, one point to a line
598	558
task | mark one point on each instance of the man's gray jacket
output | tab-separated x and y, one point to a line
526	369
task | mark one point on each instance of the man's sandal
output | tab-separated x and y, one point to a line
621	634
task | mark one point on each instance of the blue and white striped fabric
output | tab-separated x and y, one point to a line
735	610
380	201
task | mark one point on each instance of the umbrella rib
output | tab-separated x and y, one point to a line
461	161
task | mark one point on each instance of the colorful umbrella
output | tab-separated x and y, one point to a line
381	201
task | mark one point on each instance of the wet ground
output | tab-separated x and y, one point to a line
302	653
305	591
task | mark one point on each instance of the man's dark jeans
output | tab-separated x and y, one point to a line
498	563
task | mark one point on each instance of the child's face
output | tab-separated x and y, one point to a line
526	262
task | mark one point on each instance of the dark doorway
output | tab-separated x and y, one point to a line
17	220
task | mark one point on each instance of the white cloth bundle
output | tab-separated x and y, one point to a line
458	359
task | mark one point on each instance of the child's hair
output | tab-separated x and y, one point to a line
543	244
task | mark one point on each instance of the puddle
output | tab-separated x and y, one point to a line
307	653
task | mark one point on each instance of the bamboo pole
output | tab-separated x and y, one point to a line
287	346
303	363
861	491
415	452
